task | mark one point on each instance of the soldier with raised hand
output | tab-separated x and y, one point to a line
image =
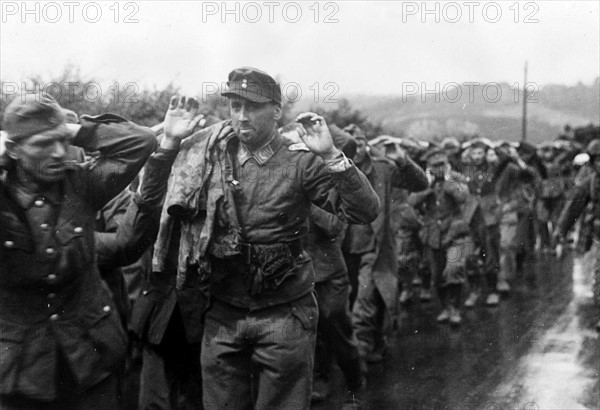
373	248
240	194
446	235
587	191
61	340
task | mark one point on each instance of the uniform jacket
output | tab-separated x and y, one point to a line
127	226
442	209
51	296
323	244
220	196
384	174
587	191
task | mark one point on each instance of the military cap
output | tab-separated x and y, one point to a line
254	85
480	143
434	152
526	148
450	142
547	145
31	114
343	141
355	131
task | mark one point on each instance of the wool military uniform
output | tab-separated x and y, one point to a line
60	333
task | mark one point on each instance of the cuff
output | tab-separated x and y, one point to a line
339	163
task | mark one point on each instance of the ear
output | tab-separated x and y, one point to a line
11	149
277	112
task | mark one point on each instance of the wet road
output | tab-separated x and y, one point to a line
537	350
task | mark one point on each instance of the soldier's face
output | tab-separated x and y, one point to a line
361	151
491	156
253	122
42	156
478	155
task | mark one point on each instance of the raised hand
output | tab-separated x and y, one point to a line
181	119
317	137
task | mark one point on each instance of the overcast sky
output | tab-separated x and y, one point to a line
363	47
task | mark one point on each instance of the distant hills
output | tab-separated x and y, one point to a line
495	112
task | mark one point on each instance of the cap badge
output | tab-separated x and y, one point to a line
244	81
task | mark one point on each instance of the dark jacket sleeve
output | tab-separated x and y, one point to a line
123	149
330	224
417	198
575	205
408	175
140	224
347	194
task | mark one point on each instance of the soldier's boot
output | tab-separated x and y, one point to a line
503	286
425	295
455	317
405	296
355	397
472	298
446	302
492	299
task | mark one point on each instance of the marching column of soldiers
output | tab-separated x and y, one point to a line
239	260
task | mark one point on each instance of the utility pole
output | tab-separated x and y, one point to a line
524	125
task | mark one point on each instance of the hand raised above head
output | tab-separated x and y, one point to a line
318	138
181	119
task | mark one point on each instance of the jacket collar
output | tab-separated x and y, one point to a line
26	199
366	167
263	154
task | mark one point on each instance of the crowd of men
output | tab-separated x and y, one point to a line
242	259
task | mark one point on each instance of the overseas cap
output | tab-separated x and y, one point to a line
33	114
254	85
434	154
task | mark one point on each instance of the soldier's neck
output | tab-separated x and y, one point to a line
30	184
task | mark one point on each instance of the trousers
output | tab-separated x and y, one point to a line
261	359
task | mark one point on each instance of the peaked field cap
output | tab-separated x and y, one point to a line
254	85
31	114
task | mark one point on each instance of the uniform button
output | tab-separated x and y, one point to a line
106	308
51	295
9	244
54	317
145	292
51	277
44	227
50	251
78	229
39	203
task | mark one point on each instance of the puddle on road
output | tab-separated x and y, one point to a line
553	375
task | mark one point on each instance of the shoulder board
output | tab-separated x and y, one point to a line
300	146
104	118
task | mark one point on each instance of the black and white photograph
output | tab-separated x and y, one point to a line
294	205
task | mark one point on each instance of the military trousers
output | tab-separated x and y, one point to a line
102	396
259	359
492	256
335	337
370	312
